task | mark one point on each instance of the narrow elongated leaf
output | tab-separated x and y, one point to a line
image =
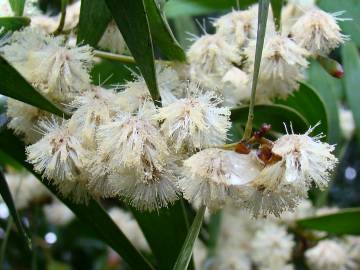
161	33
184	258
7	197
183	26
165	232
13	23
309	104
276	6
131	18
17	6
326	87
346	221
94	18
276	115
175	8
92	215
351	62
13	85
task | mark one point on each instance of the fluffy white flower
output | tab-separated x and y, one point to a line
232	259
272	246
58	213
145	191
129	226
25	189
60	72
292	11
112	39
210	57
236	87
59	156
305	159
318	31
95	107
132	141
282	184
327	254
195	122
240	26
24	118
282	66
45	23
5	9
212	176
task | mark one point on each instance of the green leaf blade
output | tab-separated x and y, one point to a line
7	197
130	16
161	33
184	258
346	221
13	23
13	85
277	115
165	231
94	18
17	6
309	104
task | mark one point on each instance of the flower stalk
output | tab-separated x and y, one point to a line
263	15
60	28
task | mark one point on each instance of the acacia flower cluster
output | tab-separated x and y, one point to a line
117	143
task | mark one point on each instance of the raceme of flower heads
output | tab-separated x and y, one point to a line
117	143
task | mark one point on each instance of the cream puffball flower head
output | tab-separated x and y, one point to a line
318	31
212	176
210	57
327	254
282	66
195	122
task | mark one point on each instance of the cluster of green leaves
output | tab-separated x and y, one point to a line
145	28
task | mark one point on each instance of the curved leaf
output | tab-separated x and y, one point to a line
325	86
130	16
352	70
13	85
161	33
307	102
346	221
17	6
184	258
7	197
165	231
13	23
276	115
92	215
94	18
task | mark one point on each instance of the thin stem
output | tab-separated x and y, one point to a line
123	58
5	240
263	14
115	57
64	3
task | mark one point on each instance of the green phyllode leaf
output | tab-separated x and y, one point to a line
345	221
309	104
161	33
13	23
277	115
92	214
351	81
165	231
94	19
184	258
17	6
13	85
7	197
132	20
276	6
